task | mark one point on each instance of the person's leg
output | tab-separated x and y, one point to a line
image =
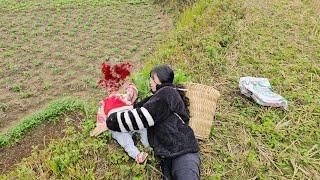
144	137
125	140
186	167
166	167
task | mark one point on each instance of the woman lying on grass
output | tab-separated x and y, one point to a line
165	114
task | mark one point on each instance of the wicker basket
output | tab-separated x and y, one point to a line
203	102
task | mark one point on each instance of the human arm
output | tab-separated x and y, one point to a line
156	109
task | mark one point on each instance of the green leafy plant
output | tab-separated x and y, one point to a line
16	88
3	107
25	94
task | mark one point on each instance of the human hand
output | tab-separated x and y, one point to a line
132	92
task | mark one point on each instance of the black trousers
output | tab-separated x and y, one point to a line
184	167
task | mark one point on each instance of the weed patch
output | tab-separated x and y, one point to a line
51	113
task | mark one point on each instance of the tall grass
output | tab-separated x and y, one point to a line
216	43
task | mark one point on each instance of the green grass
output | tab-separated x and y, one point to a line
142	80
78	155
51	113
215	43
18	6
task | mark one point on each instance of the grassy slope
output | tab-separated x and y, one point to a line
79	156
51	113
217	42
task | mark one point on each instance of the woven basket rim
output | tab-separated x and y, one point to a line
208	97
187	85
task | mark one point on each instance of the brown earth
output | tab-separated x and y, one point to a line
38	138
46	54
49	53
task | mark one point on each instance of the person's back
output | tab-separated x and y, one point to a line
170	137
165	115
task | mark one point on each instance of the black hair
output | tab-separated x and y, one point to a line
164	73
166	76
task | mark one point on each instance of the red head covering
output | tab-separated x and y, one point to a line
115	75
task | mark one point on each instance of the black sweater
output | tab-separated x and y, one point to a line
162	115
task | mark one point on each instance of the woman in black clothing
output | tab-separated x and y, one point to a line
165	114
